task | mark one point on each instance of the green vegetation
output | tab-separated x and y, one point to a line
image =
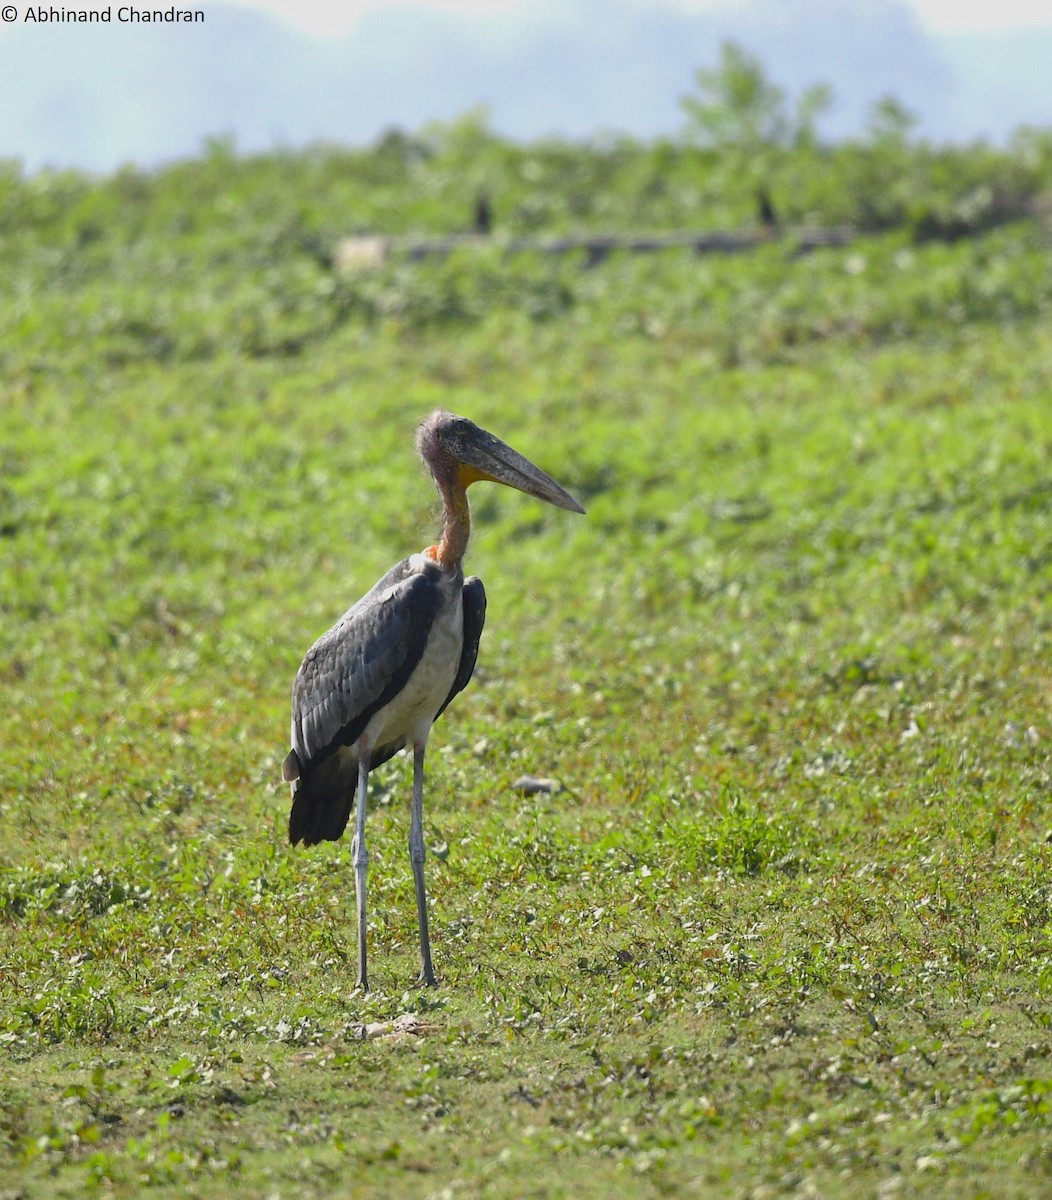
787	927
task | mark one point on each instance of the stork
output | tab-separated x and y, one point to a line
380	677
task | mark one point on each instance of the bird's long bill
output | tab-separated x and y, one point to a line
496	460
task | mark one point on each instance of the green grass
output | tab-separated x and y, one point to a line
787	927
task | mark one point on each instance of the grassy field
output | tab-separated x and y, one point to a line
786	927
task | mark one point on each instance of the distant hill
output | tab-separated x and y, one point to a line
99	95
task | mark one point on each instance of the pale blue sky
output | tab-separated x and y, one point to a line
941	16
99	94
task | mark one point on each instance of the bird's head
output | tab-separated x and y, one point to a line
458	452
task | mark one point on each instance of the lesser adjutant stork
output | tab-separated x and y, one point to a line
377	681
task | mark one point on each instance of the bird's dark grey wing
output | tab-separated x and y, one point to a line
474	618
349	674
361	663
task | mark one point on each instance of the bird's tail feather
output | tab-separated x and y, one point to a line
322	798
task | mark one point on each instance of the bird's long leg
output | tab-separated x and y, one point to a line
360	859
417	854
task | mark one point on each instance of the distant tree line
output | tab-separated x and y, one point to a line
748	157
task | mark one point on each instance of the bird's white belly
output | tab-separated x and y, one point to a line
409	715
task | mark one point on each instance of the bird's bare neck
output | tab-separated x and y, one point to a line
456	526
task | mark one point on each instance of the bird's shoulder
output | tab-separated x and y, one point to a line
397	600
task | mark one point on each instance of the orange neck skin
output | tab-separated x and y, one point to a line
456	516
